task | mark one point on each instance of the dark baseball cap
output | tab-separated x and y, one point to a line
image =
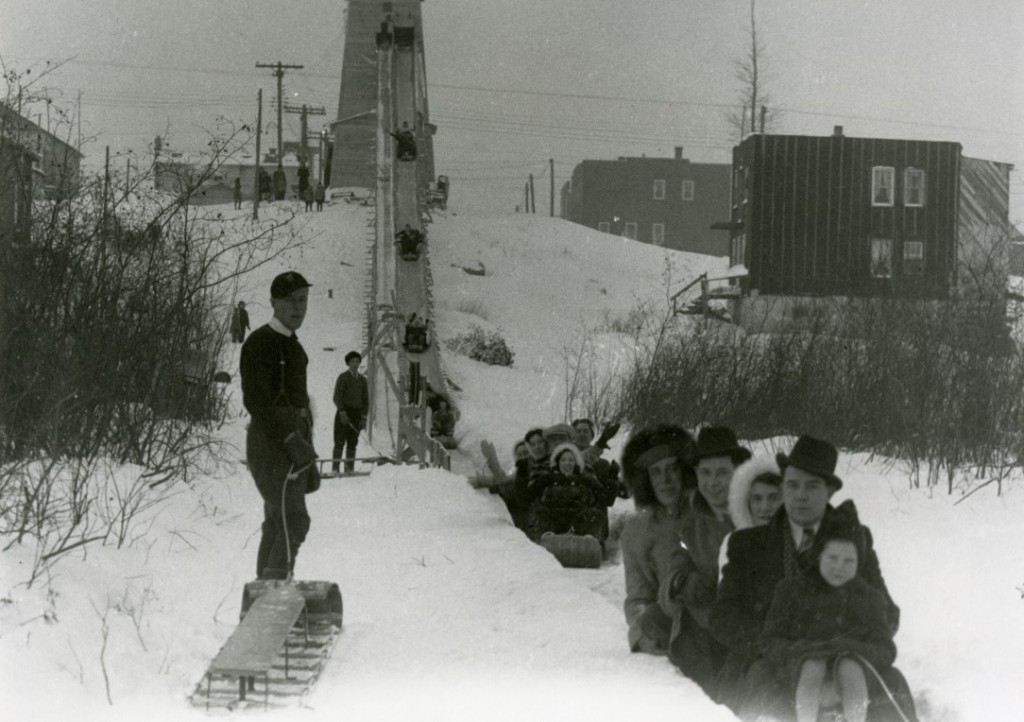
286	283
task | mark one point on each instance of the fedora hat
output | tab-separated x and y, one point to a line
815	456
715	441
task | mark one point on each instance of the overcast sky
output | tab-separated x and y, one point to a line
515	82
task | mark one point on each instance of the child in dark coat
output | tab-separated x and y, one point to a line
827	626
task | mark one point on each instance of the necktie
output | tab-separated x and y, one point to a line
806	540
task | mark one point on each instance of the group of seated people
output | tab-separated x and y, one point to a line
559	484
741	572
406	144
417	334
410	242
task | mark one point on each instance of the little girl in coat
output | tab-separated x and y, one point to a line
826	627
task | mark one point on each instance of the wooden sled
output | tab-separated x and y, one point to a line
574	551
324	466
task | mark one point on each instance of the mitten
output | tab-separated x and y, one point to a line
313	479
343	417
609	431
300	452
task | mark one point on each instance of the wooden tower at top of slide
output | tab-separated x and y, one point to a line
354	131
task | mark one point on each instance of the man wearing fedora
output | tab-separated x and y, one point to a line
688	570
758	558
278	444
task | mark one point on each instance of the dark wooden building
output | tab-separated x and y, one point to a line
842	216
669	202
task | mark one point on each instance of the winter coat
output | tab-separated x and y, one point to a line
552	488
319	194
561	503
643	533
757	559
808	619
695	560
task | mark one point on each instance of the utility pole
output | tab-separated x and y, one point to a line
526	197
551	172
256	179
279	69
305	112
533	198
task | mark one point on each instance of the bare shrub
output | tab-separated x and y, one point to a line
485	346
112	325
897	378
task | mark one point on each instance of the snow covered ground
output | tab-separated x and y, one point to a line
450	612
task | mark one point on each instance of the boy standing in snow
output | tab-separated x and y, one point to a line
352	399
279	443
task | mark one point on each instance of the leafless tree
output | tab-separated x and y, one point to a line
751	74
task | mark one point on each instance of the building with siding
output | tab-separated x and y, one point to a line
58	163
837	216
669	202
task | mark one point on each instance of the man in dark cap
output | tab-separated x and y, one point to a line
279	445
759	557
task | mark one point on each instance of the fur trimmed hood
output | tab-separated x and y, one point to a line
575	453
739	489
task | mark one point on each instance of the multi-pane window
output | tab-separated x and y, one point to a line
882	181
913	258
881	257
630	231
739	250
913	187
659	190
687	190
658	234
603	226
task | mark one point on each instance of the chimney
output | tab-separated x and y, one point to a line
837	131
679	152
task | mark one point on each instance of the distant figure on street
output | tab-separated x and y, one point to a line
265	185
319	195
236	192
307	198
280	184
303	179
239	322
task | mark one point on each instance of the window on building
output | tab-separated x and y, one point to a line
659	190
739	250
882	179
913	187
658	234
913	258
630	231
687	190
881	257
603	226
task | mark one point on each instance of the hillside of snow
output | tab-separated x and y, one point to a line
450	612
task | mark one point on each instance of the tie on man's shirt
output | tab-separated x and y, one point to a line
806	540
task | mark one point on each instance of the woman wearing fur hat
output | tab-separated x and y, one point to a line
689	575
656	464
566	499
755	495
827	626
